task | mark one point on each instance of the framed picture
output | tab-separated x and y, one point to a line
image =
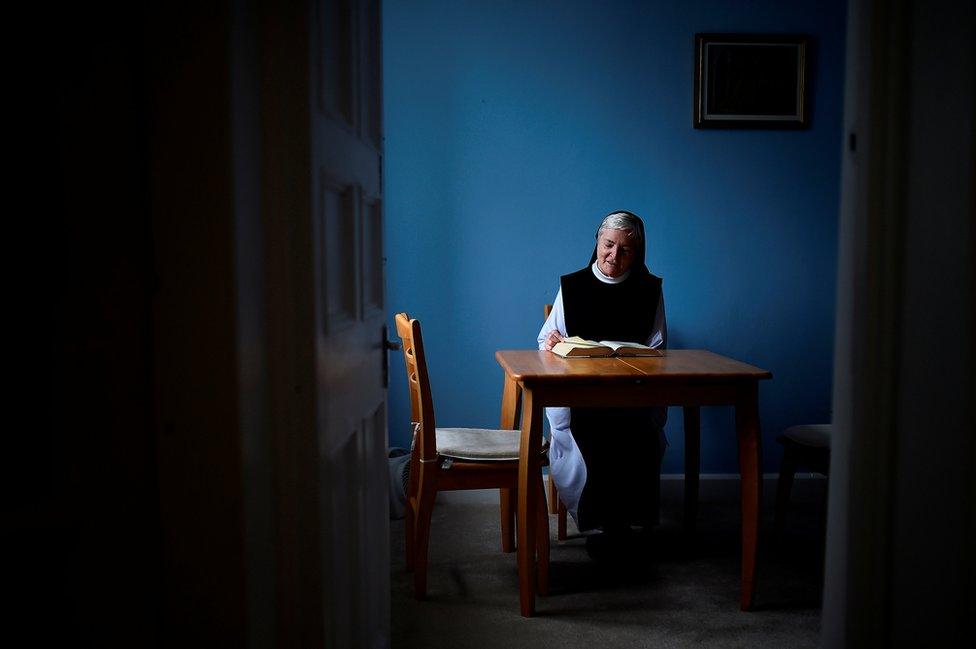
750	81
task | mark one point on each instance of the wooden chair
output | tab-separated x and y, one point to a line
806	447
453	458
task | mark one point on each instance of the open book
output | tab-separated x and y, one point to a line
574	346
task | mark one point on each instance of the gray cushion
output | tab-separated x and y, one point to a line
478	443
813	435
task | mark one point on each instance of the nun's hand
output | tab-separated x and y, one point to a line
553	338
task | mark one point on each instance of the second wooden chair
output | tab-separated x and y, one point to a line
453	458
806	447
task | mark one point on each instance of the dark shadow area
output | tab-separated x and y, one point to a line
684	591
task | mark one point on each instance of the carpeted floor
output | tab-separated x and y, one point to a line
684	595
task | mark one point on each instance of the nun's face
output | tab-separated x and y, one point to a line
614	252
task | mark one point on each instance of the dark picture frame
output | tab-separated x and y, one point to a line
751	81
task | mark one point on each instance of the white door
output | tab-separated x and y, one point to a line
320	76
348	252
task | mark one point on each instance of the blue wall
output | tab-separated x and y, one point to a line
513	127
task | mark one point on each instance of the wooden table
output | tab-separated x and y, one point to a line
684	377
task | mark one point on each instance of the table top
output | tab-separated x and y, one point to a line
528	365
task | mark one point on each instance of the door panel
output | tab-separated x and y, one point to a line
336	60
338	259
343	551
376	532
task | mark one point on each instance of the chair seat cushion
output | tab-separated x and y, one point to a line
812	435
478	444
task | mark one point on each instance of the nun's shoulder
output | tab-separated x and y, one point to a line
582	273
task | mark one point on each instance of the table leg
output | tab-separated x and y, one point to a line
750	458
506	501
510	404
692	465
528	495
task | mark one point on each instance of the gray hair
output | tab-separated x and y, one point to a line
621	221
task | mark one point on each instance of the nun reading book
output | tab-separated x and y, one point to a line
606	462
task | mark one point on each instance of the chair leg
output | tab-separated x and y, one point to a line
553	494
556	507
561	521
542	542
507	504
784	486
425	507
692	416
410	530
413	500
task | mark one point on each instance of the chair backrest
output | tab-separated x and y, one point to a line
546	310
421	402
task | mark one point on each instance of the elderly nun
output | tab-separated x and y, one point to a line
606	462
